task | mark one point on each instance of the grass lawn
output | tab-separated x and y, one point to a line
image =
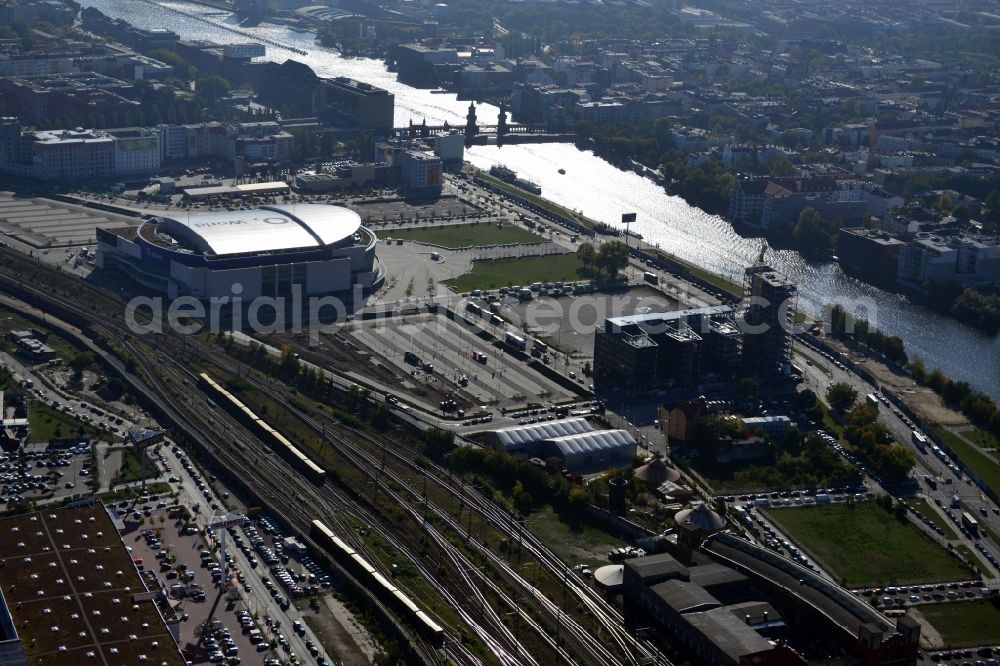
986	467
578	543
831	424
464	235
535	199
131	468
156	488
64	349
976	560
46	422
932	514
495	273
965	623
982	438
864	545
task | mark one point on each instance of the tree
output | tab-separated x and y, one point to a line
81	362
522	498
612	257
861	415
211	88
586	254
782	167
841	397
747	387
961	213
812	233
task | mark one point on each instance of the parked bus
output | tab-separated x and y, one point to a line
515	341
920	441
872	399
651	278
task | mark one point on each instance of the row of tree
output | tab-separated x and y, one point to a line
979	308
871	439
846	325
607	261
976	406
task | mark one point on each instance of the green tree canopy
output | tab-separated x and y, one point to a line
612	257
841	397
211	87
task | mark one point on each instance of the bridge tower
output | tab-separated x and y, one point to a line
501	123
471	128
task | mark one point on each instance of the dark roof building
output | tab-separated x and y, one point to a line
73	593
739	604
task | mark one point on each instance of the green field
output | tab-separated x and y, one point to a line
131	468
973	557
982	438
535	199
965	623
986	467
464	235
495	273
46	422
865	545
580	543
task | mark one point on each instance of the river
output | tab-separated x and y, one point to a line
603	192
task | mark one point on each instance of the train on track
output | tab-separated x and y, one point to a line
381	586
262	428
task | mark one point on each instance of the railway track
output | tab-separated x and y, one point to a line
584	641
294	498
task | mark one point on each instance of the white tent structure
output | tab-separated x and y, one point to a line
524	437
573	440
589	450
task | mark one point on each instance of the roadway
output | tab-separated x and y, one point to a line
820	371
259	599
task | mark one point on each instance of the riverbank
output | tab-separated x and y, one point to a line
602	192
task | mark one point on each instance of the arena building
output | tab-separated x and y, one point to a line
262	252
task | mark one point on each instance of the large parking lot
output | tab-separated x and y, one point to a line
568	321
43	472
430	347
42	223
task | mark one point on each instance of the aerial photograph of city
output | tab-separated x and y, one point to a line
500	332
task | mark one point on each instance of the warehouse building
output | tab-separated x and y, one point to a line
730	602
71	593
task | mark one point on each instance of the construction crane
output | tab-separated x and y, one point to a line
760	257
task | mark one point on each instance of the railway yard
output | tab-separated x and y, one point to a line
449	533
361	448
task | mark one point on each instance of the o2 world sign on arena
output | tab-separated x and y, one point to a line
230	223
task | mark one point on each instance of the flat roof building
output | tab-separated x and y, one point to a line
350	103
657	349
71	589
